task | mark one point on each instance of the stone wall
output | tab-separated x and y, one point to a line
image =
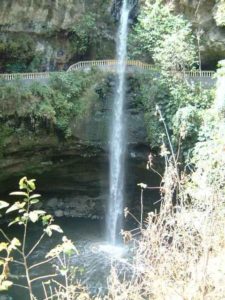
204	15
53	26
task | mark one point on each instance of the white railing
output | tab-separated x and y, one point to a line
105	65
25	76
196	73
108	63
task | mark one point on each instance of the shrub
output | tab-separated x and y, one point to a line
18	52
182	107
163	36
67	97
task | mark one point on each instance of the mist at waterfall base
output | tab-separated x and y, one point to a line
118	136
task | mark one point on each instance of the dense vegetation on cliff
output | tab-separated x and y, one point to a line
52	105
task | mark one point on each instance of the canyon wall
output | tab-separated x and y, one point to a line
208	20
51	34
39	35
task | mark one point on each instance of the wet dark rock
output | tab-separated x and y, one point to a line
72	174
116	9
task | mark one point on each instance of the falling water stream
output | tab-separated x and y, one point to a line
117	139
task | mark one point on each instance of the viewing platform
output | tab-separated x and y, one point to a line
110	66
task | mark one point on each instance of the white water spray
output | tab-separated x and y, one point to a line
117	140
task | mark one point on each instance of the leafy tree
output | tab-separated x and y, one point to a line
208	153
182	107
220	13
164	37
84	33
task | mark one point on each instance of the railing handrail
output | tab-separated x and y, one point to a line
93	63
36	75
102	63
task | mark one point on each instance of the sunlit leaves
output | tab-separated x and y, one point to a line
4	262
3	246
142	185
24	183
51	228
5	284
219	13
17	220
55	228
67	247
46	219
35	196
3	204
18	194
34	201
14	244
35	214
164	36
48	231
16	206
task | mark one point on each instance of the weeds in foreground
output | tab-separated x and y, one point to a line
19	251
180	251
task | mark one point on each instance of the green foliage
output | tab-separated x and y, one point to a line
220	91
84	32
177	51
163	36
20	47
7	248
18	54
67	98
220	13
182	107
208	153
5	132
187	121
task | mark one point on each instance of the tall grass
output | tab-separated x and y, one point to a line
181	250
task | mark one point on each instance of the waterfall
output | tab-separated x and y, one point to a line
117	138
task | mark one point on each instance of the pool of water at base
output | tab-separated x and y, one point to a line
93	262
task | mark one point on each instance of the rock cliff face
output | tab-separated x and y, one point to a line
208	19
56	33
61	31
72	175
